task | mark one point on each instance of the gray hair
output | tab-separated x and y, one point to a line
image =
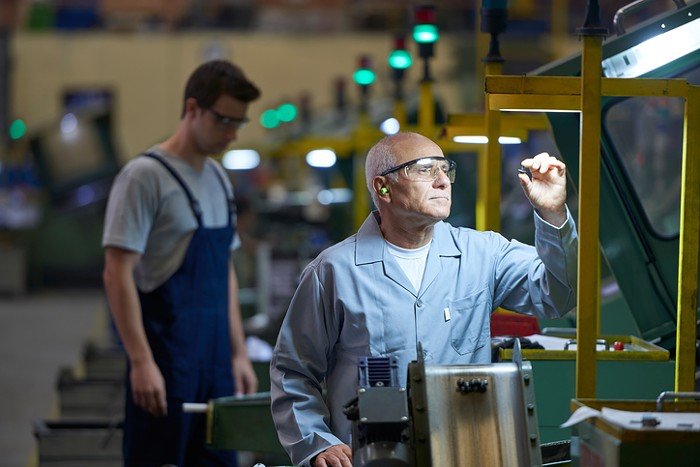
381	157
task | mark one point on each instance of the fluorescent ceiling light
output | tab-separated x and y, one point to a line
334	195
477	139
321	158
541	110
655	52
241	159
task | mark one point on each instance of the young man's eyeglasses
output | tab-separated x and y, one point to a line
226	121
426	169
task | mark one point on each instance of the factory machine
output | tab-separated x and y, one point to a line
459	415
446	415
474	415
480	415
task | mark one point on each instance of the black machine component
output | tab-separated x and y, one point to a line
380	428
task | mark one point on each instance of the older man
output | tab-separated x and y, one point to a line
407	277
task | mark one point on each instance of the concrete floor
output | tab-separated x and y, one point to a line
40	333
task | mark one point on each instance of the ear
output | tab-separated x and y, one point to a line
379	185
191	105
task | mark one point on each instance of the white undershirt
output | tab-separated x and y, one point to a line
412	261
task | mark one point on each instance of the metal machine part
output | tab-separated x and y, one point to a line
671	395
459	415
380	429
642	432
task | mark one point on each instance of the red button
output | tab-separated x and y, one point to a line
617	345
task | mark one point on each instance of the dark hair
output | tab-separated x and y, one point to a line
212	79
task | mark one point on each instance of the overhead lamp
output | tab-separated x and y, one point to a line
481	139
390	126
542	110
241	159
656	52
334	196
322	158
69	125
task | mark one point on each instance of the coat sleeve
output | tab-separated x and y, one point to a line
297	371
540	281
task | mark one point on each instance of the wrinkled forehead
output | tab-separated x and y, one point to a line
414	147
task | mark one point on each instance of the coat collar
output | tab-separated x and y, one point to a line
369	247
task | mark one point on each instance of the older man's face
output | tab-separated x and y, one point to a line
422	202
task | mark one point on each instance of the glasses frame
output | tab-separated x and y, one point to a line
405	165
227	121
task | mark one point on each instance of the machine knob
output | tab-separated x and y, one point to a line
473	385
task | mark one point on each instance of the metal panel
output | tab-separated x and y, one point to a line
243	423
495	427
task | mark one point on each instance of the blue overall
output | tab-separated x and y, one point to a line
187	324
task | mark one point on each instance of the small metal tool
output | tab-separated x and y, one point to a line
523	170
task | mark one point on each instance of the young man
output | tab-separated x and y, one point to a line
170	227
408	277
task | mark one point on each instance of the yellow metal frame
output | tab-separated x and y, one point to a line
649	352
584	94
210	422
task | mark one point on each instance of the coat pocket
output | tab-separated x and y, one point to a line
470	321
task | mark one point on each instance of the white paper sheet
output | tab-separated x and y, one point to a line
668	421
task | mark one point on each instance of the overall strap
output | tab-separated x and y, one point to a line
231	202
194	204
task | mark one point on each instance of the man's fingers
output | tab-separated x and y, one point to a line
153	402
524	180
543	162
339	455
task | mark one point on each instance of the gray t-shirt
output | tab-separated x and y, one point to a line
148	212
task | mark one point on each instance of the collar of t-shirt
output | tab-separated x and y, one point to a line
411	260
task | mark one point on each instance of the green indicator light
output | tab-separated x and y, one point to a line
400	59
17	129
286	112
425	33
364	76
269	119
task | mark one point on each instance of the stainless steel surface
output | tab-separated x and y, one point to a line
479	429
632	8
670	395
